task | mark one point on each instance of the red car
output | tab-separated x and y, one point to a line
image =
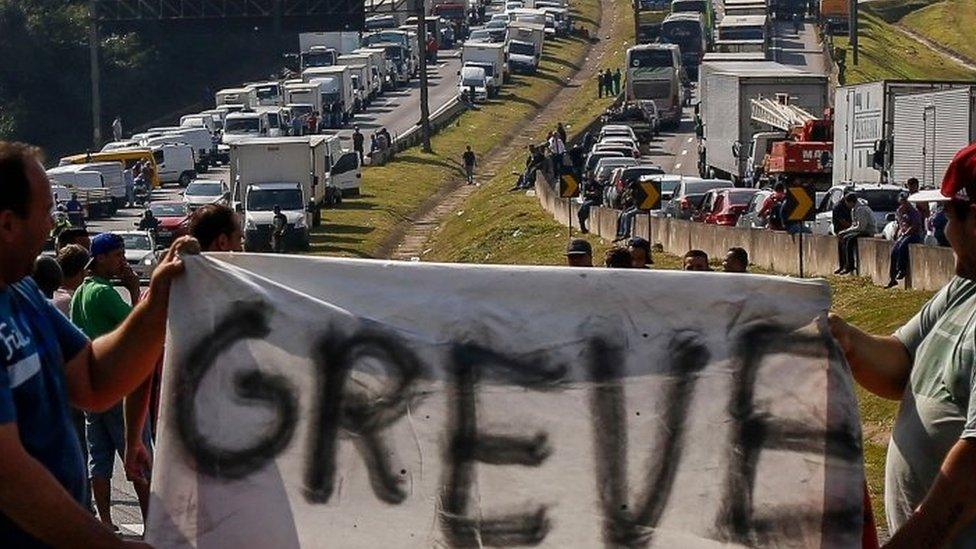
724	206
174	221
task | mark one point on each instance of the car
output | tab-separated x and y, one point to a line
515	5
174	221
497	24
617	129
499	17
596	156
724	206
141	252
604	168
626	146
205	191
749	219
688	196
881	198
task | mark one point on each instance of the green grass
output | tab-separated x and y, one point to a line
892	11
949	23
394	192
888	53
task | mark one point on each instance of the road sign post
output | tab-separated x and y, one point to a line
647	196
799	208
568	188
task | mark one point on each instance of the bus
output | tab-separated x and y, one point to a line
743	27
704	7
649	18
654	72
687	31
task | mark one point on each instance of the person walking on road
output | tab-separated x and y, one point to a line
76	212
911	227
97	309
929	365
130	186
470	162
862	224
616	81
279	223
357	143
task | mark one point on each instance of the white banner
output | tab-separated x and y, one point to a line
313	402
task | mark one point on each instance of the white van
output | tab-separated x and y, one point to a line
200	120
111	179
200	139
178	162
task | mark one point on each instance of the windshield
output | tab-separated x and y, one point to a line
136	241
488	68
473	81
741	33
880	200
634	173
300	110
651	58
242	125
521	49
273	120
203	189
168	210
740	198
381	23
267	92
393	52
479	35
316	59
266	200
692	6
686	34
701	187
669	185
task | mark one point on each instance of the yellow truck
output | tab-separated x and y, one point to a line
127	157
835	14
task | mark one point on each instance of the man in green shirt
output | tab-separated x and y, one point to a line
930	365
97	309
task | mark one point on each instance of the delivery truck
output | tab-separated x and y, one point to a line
928	130
304	94
289	173
490	57
341	41
724	118
242	97
864	125
338	98
374	77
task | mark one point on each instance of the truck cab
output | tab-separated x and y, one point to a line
304	94
241	125
260	200
317	56
243	98
522	57
758	149
473	78
269	94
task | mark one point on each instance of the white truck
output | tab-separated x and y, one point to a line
361	85
289	173
304	94
242	125
725	110
341	41
317	56
929	129
521	31
864	125
387	72
338	99
202	141
490	57
397	36
87	184
473	83
179	162
243	97
269	94
376	64
199	120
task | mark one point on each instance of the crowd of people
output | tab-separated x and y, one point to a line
101	360
608	83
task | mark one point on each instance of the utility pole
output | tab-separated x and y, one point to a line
96	96
636	21
424	106
852	27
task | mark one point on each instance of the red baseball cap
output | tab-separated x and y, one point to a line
959	176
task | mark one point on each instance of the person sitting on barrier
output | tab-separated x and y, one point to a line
640	253
579	253
618	258
772	206
736	261
910	230
696	260
862	224
936	224
625	221
592	196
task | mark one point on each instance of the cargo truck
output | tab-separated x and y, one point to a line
373	80
745	7
405	38
724	118
289	173
835	14
337	92
304	94
490	57
863	127
242	97
928	130
385	66
340	41
268	94
649	19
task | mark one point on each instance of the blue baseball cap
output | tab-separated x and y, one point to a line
106	243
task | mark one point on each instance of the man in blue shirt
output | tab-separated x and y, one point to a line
46	364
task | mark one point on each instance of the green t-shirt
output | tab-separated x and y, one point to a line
97	308
938	407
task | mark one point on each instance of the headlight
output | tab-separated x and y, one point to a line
147	261
250	225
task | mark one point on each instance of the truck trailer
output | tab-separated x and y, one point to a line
928	130
724	118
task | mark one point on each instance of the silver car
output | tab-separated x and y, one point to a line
687	198
141	252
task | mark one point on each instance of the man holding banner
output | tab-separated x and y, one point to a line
930	365
46	362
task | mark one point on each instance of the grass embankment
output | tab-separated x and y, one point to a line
496	226
395	191
949	24
888	53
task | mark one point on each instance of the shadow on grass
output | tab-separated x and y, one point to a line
338	228
326	248
558	61
519	99
411	159
357	203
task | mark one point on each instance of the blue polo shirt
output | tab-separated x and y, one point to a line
35	341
